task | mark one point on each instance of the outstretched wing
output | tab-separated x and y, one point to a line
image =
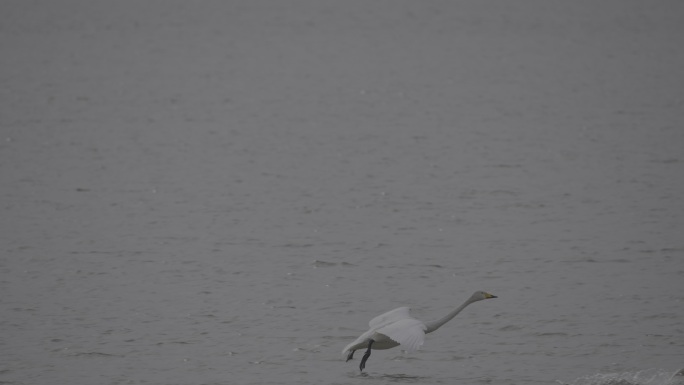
375	324
389	317
409	332
398	325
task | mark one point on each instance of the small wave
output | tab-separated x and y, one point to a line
318	263
509	328
403	378
398	378
551	334
643	377
94	354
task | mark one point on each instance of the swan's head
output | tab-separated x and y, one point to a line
480	295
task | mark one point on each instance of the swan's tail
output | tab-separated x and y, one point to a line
347	353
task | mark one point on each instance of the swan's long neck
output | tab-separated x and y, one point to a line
434	325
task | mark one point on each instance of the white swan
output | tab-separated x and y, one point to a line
397	327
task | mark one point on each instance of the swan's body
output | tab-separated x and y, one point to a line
397	327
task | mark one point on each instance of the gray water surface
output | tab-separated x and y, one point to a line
227	192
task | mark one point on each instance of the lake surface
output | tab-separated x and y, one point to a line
227	192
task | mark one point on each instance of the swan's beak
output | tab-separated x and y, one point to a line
487	296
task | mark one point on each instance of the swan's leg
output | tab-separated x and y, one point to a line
350	355
365	356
